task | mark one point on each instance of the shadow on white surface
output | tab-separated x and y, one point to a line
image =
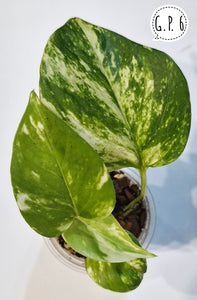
178	268
51	280
175	238
176	203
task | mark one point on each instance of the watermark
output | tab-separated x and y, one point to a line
169	23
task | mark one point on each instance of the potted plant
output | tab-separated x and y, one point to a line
140	222
105	103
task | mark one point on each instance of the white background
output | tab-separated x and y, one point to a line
27	270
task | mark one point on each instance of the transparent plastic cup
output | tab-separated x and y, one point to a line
78	263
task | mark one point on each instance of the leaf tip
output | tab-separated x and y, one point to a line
151	255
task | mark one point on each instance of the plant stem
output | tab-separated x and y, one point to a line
127	209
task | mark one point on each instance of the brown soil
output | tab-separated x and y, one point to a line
126	192
67	247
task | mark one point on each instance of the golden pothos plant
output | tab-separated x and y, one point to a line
105	103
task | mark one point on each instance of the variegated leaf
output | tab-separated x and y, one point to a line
61	185
117	277
130	102
56	175
103	239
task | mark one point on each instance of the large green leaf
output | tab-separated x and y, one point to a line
130	102
56	175
61	185
103	239
118	277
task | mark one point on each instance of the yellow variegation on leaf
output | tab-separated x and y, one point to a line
129	102
62	186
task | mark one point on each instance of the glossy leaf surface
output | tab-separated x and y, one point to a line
130	102
56	175
118	277
61	185
103	239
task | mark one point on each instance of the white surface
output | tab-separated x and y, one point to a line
27	269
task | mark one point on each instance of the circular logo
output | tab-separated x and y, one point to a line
169	23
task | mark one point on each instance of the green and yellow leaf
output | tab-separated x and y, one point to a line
129	102
103	239
117	277
61	185
56	175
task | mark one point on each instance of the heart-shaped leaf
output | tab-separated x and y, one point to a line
56	175
61	185
103	239
118	277
130	102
